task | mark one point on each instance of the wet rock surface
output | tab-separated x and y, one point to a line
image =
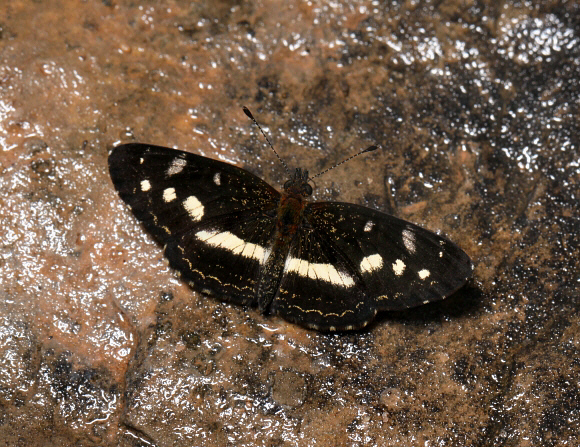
476	108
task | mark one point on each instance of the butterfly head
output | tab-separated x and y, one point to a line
298	185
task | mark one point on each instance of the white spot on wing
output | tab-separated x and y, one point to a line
217	178
193	207
324	272
176	166
369	226
423	274
409	240
145	185
231	242
169	195
141	160
399	267
371	263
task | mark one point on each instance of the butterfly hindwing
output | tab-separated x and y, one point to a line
320	287
401	264
215	220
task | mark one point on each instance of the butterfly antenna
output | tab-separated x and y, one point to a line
249	115
368	149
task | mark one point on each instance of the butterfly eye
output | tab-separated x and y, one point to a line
307	189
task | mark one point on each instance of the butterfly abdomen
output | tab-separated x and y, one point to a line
290	214
289	217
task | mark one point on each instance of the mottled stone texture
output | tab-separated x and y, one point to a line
476	106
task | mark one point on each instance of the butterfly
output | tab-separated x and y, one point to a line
324	265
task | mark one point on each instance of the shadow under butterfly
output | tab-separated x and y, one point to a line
324	265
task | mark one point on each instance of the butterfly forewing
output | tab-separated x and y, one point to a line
215	220
225	258
401	264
